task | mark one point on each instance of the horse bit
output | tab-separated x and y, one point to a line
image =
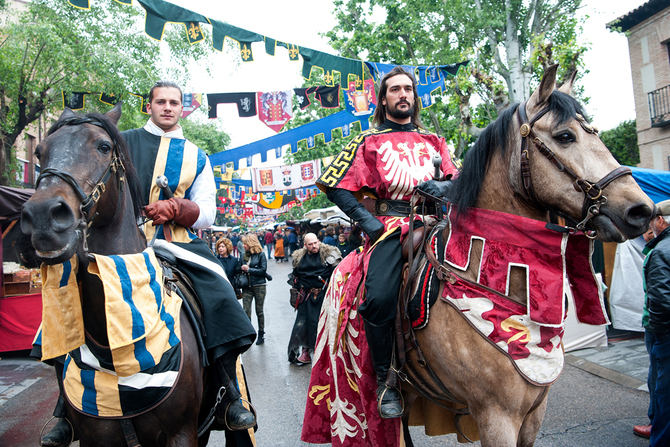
87	201
593	192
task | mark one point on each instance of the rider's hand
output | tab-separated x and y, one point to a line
436	188
161	211
182	211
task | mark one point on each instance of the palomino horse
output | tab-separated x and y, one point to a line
86	201
537	160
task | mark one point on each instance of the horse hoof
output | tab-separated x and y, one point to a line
59	436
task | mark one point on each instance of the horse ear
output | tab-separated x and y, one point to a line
67	113
566	87
115	113
547	86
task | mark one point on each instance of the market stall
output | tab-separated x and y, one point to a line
21	298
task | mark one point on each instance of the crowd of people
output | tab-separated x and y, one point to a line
245	256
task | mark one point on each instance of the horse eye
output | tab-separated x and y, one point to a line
37	154
104	147
565	137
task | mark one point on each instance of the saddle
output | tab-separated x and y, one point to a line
178	282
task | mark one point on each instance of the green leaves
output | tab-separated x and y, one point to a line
51	46
622	143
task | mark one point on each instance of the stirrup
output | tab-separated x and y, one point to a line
51	419
251	409
380	398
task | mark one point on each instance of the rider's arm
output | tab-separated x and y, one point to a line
203	193
346	201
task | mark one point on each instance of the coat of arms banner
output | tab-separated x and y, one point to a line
281	178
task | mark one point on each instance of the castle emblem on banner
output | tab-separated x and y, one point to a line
307	171
275	108
265	176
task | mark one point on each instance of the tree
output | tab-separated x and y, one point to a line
622	143
51	46
508	43
206	136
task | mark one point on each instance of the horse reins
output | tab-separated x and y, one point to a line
593	191
115	166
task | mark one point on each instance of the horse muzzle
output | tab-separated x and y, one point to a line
613	226
52	227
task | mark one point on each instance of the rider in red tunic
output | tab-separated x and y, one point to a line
386	163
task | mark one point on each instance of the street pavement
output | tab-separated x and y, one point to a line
596	401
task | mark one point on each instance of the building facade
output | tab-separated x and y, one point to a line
648	32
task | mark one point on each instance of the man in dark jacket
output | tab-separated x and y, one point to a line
312	267
656	320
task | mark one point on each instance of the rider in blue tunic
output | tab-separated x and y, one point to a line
159	148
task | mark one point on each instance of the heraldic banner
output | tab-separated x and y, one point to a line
280	178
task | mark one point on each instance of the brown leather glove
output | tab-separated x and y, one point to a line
182	211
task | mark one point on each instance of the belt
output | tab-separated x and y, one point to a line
401	208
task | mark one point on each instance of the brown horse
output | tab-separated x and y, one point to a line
86	201
537	161
555	172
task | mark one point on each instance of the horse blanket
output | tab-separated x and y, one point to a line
554	264
143	359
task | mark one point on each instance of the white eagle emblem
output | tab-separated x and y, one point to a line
404	168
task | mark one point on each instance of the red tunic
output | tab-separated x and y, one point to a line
387	162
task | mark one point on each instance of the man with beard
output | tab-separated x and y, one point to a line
312	266
386	163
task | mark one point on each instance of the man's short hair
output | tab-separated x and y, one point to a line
162	84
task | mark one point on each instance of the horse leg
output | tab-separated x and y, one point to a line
531	424
496	429
410	398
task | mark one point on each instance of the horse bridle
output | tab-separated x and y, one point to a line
594	197
115	166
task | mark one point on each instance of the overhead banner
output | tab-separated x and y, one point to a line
281	178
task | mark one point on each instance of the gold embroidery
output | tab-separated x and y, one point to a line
336	170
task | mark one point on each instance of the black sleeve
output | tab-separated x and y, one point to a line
346	201
658	285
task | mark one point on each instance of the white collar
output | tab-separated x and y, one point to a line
153	129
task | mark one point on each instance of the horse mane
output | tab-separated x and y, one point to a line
106	123
495	137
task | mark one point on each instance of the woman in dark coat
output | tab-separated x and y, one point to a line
255	264
224	253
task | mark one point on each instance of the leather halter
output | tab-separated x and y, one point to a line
115	166
593	191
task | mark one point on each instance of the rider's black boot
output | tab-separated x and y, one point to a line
61	434
230	412
380	342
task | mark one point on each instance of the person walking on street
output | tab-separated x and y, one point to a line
312	266
279	247
255	265
656	321
269	243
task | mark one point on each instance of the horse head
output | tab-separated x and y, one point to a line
80	189
546	159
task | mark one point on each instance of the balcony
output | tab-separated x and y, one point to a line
659	106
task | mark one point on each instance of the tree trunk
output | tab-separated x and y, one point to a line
517	76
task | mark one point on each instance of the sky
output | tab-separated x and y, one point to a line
608	82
